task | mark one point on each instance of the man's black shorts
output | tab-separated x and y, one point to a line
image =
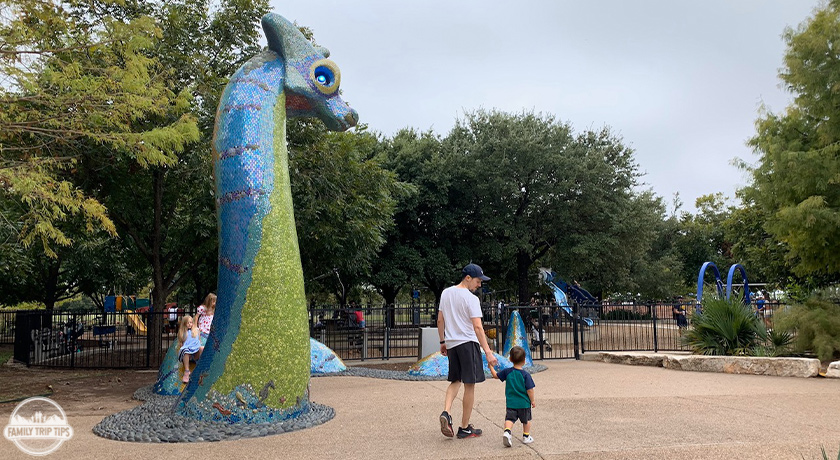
465	364
523	415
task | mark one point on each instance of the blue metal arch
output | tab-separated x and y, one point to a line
718	281
746	282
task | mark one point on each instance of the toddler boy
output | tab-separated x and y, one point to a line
519	396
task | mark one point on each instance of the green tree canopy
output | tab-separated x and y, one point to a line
424	246
75	76
344	203
703	237
797	179
530	190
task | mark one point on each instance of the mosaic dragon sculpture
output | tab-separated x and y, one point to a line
256	365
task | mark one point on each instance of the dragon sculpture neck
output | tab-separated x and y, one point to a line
256	365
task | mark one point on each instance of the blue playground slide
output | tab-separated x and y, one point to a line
560	288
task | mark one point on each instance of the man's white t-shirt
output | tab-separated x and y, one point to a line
458	306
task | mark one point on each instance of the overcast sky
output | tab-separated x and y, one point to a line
681	82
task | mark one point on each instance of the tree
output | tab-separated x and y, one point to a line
167	210
425	243
613	227
76	76
755	248
796	180
344	203
702	237
530	190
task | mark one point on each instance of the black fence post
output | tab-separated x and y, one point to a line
652	308
23	337
503	320
576	329
385	343
148	338
540	332
71	339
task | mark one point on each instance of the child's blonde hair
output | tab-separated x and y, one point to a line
182	329
210	303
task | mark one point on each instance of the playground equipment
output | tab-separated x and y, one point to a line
719	283
135	321
559	288
115	303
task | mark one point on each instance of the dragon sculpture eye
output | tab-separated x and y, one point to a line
325	75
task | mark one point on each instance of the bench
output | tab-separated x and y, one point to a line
107	335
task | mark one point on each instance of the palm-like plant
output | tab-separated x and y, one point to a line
779	344
725	327
825	455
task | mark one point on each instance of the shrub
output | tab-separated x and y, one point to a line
625	315
76	304
779	344
817	326
725	327
25	306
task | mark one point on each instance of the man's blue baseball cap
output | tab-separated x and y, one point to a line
474	271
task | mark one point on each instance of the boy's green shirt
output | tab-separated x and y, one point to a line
517	384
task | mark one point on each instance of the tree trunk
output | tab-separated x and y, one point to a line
389	293
437	290
523	263
160	291
51	284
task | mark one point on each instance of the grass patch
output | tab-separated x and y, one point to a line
6	353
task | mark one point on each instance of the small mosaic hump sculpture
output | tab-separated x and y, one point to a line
322	361
437	365
256	364
516	335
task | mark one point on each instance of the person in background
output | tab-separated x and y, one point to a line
359	316
679	315
761	309
173	318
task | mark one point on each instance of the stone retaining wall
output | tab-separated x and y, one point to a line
780	367
833	370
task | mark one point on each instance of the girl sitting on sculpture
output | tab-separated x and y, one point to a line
190	345
205	314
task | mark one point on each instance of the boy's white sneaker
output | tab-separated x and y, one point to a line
527	439
506	439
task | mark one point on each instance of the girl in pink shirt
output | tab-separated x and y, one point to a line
205	314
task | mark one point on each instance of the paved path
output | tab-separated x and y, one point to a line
585	410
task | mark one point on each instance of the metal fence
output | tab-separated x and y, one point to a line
123	339
7	326
634	327
93	339
649	326
551	332
386	332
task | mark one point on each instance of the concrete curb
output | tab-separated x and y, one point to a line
780	367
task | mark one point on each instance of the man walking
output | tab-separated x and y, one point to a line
461	340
